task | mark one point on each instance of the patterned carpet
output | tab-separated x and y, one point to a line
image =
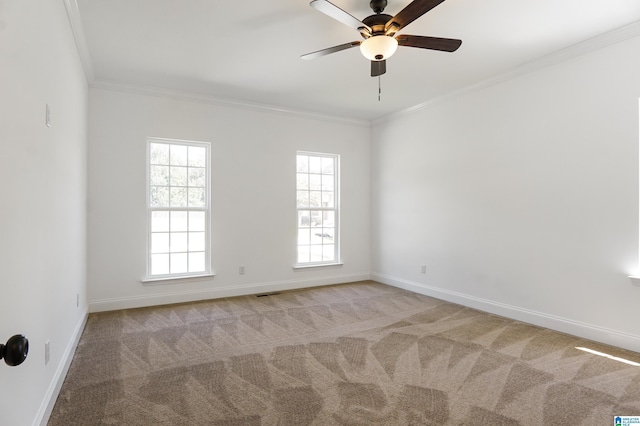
352	354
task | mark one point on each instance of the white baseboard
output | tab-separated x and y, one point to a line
564	325
141	301
42	417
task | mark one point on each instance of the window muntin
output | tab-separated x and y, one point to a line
178	208
317	208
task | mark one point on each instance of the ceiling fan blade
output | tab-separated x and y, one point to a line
338	14
413	11
378	68
329	50
433	43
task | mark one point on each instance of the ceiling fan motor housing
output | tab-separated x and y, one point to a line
377	23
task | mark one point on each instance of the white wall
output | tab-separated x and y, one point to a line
253	193
42	201
521	198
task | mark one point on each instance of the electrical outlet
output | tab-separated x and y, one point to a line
423	269
47	352
241	270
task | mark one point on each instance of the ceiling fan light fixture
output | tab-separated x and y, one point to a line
379	47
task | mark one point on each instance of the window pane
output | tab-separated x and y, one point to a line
160	242
178	176
327	165
327	183
178	242
196	176
159	153
159	221
316	254
196	241
197	156
328	219
196	262
315	199
303	254
159	175
178	197
315	182
179	263
302	163
196	197
327	199
315	164
304	235
316	236
328	252
159	196
316	218
302	181
303	198
178	155
304	218
196	221
179	222
327	235
159	264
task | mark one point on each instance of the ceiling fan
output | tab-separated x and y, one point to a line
380	32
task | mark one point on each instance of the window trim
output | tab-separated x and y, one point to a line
337	260
159	278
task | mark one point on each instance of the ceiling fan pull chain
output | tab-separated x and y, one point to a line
379	89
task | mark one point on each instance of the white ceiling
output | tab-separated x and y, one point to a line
250	50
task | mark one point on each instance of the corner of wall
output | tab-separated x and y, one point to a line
563	325
46	408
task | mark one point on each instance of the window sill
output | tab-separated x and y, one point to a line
316	265
635	280
171	280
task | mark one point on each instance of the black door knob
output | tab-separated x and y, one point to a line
15	351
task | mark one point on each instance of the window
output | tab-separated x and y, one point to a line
178	208
317	203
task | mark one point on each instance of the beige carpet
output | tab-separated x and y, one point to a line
353	354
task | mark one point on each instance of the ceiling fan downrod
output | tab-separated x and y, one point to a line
378	5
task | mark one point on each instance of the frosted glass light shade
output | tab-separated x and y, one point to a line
378	47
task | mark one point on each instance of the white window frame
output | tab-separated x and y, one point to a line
206	209
335	209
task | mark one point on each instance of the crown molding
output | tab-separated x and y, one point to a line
180	95
73	14
593	44
590	45
77	29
